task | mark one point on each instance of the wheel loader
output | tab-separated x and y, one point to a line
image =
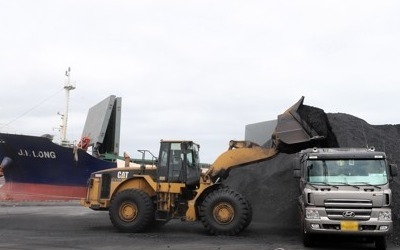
139	198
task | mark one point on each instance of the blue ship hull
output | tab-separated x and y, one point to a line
37	160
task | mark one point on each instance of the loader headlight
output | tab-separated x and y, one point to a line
312	214
385	215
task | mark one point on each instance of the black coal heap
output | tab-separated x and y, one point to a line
270	185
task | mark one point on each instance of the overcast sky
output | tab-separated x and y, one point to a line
196	70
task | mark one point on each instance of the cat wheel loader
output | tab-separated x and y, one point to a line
177	188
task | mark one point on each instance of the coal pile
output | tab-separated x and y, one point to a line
271	188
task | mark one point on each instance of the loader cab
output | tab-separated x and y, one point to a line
178	162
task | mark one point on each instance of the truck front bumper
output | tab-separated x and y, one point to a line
371	227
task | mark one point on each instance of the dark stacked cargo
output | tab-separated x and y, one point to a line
270	185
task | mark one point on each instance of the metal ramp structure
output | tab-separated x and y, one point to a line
102	127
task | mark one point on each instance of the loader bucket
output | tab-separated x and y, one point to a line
292	129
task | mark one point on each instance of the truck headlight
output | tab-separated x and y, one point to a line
385	215
312	214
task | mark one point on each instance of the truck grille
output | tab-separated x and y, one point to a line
350	209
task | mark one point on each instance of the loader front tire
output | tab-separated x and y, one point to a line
131	211
225	212
250	215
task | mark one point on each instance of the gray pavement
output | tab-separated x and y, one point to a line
67	225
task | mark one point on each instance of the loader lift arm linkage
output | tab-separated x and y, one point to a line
290	129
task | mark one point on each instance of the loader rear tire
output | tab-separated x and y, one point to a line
225	212
131	211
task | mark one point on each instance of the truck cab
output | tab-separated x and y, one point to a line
344	191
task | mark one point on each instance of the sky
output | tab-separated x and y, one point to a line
195	70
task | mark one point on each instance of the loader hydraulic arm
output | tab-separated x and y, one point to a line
240	153
292	133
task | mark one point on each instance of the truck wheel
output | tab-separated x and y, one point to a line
380	243
131	211
308	239
225	212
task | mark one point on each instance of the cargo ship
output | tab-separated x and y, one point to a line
36	168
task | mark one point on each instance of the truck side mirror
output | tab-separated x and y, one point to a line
295	163
296	173
393	169
296	167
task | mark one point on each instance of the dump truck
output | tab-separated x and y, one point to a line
344	191
177	188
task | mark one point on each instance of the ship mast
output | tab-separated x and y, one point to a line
68	87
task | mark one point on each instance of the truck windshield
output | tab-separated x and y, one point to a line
347	172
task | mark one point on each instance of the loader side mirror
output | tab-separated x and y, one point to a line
296	167
295	162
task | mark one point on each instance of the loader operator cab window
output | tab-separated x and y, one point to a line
193	170
162	164
179	162
169	163
175	164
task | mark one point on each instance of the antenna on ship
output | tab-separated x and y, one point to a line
68	87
